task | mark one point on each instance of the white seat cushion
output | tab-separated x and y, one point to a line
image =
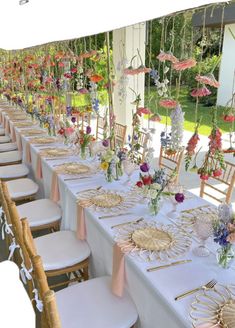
22	188
40	212
61	249
13	171
10	157
92	304
2	132
4	139
8	146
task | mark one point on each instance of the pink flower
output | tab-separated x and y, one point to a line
143	110
201	92
167	56
184	64
69	131
168	103
208	79
143	69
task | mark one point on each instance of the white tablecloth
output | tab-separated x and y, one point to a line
152	292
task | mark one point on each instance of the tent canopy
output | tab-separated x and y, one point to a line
42	21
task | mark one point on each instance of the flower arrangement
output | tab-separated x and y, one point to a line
65	130
224	235
109	160
213	164
152	186
83	140
191	149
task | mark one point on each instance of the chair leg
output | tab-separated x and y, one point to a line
85	273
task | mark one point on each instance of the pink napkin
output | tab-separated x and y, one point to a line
55	192
118	274
81	224
19	142
1	117
27	153
39	168
7	127
13	134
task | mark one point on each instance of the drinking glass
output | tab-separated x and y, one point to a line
129	167
204	229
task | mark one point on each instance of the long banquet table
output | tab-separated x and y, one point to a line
152	292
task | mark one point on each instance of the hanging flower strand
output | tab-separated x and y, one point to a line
191	147
213	164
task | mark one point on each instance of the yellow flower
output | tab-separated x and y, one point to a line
46	125
104	166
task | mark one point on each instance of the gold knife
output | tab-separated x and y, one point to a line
113	216
129	222
168	265
77	178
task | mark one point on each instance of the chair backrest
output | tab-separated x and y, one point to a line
14	219
6	217
227	179
100	127
51	316
119	134
171	161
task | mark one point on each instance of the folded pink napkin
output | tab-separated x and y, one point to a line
118	274
39	167
55	192
13	134
19	142
7	127
28	153
81	224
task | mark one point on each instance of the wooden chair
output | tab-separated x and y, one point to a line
119	134
171	161
88	304
13	172
226	180
42	213
100	127
22	190
61	251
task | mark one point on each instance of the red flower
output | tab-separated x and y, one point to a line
143	110
201	92
167	56
74	70
204	176
229	118
61	131
61	64
208	79
139	184
217	173
147	180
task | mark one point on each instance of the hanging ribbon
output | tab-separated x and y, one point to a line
12	248
6	228
39	304
25	273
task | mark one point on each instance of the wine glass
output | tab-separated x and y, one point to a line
129	167
174	188
203	227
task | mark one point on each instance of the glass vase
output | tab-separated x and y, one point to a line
83	153
154	206
109	174
225	256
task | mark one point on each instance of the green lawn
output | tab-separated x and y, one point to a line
189	109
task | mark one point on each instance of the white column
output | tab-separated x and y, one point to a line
227	67
126	41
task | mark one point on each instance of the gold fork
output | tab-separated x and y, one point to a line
209	285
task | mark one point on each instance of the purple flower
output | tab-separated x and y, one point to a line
73	119
179	197
144	167
88	129
105	143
